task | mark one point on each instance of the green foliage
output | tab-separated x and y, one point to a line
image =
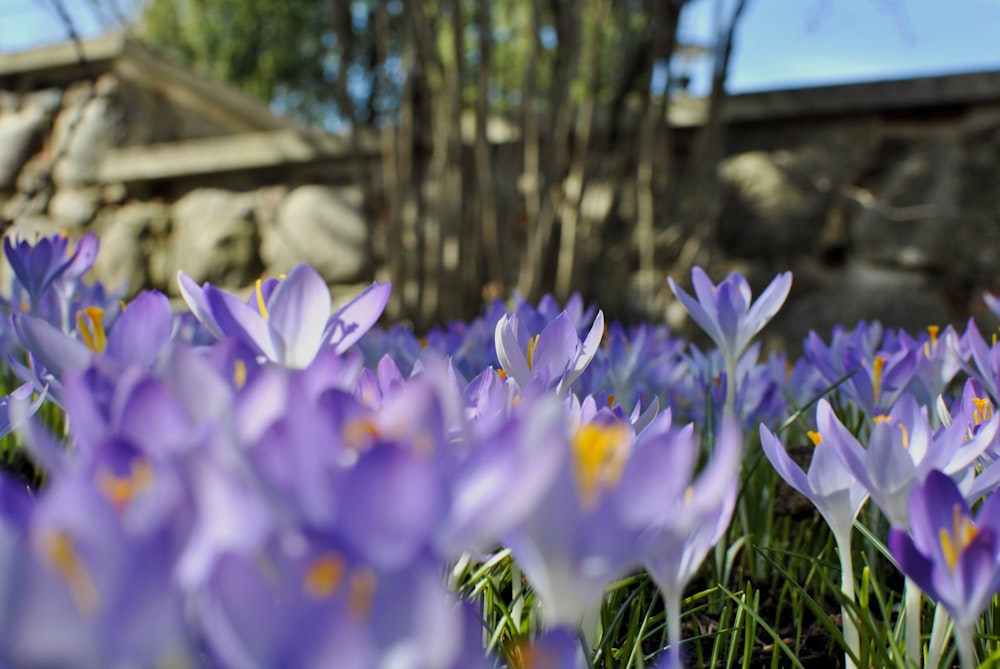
344	61
275	51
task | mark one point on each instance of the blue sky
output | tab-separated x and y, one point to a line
781	43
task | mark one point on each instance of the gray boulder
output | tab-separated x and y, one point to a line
133	243
323	226
214	238
20	133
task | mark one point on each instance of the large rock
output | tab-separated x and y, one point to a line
323	226
84	130
133	243
214	238
75	207
47	100
20	133
911	213
822	298
768	211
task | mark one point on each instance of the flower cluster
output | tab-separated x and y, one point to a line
259	483
264	481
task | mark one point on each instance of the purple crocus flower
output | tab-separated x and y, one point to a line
950	554
287	320
137	336
702	508
980	360
829	484
554	357
728	315
37	265
937	362
837	495
901	450
726	311
579	538
317	604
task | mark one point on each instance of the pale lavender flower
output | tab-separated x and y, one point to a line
727	312
554	357
901	450
950	554
286	321
730	317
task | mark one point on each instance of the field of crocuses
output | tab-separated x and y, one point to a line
261	484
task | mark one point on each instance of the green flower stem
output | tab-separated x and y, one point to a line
912	600
939	635
966	647
851	637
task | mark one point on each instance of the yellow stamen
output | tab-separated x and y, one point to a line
523	655
120	490
532	345
360	433
881	419
239	373
906	436
984	410
933	331
70	246
815	437
611	400
122	305
261	306
59	550
88	323
362	592
877	366
325	575
599	456
688	494
502	373
962	533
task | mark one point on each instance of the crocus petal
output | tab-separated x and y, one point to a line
993	302
142	330
84	254
931	508
236	319
845	444
783	464
557	347
509	353
587	352
194	296
768	304
731	309
705	290
910	560
58	352
705	320
298	311
358	316
396	499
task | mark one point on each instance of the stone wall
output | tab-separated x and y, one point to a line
228	228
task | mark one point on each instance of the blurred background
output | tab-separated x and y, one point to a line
468	149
